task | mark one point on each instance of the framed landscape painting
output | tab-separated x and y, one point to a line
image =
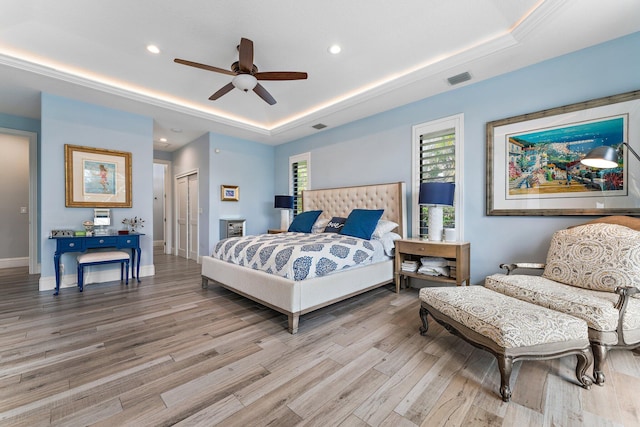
97	177
533	160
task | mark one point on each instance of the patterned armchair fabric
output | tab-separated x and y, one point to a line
591	271
597	308
600	257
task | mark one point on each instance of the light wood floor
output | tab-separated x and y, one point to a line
166	352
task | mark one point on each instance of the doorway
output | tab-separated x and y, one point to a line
187	215
162	212
20	199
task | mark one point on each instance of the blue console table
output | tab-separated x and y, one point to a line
83	244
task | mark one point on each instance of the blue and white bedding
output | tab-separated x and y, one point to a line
298	256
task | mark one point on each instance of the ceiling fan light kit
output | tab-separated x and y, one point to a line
246	74
245	82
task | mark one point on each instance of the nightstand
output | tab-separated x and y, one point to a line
275	231
457	252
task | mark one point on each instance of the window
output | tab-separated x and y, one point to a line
299	179
437	157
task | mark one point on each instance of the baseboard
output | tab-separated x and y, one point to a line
14	262
97	276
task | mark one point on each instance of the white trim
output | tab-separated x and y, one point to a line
14	262
184	174
34	267
168	200
457	122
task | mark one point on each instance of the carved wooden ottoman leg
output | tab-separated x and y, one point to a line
423	316
585	358
599	355
505	364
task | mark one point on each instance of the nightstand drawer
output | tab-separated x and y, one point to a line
427	248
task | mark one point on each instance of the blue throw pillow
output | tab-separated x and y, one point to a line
335	225
361	223
303	222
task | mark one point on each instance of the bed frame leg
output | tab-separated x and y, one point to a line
293	323
205	282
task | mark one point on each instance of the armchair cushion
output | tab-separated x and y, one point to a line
597	308
599	257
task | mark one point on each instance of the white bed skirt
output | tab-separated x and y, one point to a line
291	297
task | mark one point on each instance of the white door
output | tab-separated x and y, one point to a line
192	237
183	218
187	216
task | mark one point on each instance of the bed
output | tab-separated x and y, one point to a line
297	297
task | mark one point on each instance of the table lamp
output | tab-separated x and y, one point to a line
284	203
435	195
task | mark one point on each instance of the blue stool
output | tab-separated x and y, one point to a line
97	258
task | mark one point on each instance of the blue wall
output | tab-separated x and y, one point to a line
65	121
378	148
249	165
224	160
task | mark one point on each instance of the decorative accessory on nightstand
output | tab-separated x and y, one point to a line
284	203
436	194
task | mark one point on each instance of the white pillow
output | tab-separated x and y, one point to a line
319	225
383	227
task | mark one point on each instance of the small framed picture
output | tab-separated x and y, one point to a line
229	193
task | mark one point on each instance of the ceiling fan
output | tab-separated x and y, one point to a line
246	74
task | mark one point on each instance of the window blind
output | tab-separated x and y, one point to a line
437	157
300	182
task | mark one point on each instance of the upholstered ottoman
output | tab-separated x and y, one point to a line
511	329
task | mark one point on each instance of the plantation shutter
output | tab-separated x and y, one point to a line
438	164
300	182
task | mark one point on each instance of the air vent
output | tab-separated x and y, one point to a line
319	126
462	77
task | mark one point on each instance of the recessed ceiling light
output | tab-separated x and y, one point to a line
153	48
335	49
163	139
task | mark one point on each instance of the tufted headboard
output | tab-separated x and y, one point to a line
341	201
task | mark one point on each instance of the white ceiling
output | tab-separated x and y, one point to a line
393	53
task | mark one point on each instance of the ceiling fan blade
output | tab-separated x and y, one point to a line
204	66
262	93
281	75
225	89
246	55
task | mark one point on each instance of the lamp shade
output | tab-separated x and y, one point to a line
283	202
436	193
604	157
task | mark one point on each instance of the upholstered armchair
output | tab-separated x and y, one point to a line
591	272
